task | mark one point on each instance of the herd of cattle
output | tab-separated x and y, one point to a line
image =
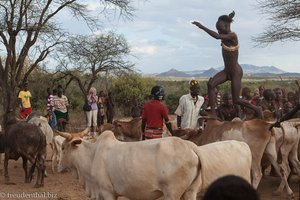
153	168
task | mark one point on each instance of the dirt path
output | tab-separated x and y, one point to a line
65	187
57	186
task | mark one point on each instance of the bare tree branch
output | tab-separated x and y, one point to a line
93	55
29	31
284	16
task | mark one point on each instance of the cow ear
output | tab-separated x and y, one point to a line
76	142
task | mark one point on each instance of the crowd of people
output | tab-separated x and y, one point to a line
191	106
276	101
57	107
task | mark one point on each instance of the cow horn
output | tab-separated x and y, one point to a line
84	132
66	135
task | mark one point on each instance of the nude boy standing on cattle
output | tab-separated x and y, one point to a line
232	70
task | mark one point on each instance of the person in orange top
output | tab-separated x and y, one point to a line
154	114
24	98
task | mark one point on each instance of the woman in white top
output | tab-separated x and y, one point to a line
91	115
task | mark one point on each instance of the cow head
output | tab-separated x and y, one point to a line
69	147
268	116
105	127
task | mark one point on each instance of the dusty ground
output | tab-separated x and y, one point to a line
65	187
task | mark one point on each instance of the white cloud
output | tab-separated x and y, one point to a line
162	37
145	50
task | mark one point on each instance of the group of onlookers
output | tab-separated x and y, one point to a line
57	108
155	113
276	101
191	106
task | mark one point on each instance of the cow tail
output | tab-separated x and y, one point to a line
196	184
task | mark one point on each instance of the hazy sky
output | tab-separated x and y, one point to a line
162	37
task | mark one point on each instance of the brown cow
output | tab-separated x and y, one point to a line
255	133
128	130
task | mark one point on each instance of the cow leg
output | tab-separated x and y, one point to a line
54	159
91	189
271	153
55	155
293	158
32	168
108	196
172	193
41	171
256	177
25	167
6	177
191	193
285	171
255	172
281	171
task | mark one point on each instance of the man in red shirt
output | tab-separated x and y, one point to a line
154	114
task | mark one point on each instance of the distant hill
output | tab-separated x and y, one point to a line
253	69
173	73
208	73
249	70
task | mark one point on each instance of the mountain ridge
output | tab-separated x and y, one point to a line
248	69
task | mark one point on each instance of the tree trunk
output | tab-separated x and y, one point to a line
9	100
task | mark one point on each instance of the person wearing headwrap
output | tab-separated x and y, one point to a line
232	70
155	113
189	107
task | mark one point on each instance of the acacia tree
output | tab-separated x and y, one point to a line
130	91
284	16
93	55
29	29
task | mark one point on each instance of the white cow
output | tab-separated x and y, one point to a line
287	140
151	169
223	158
42	122
254	132
137	170
56	151
57	147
